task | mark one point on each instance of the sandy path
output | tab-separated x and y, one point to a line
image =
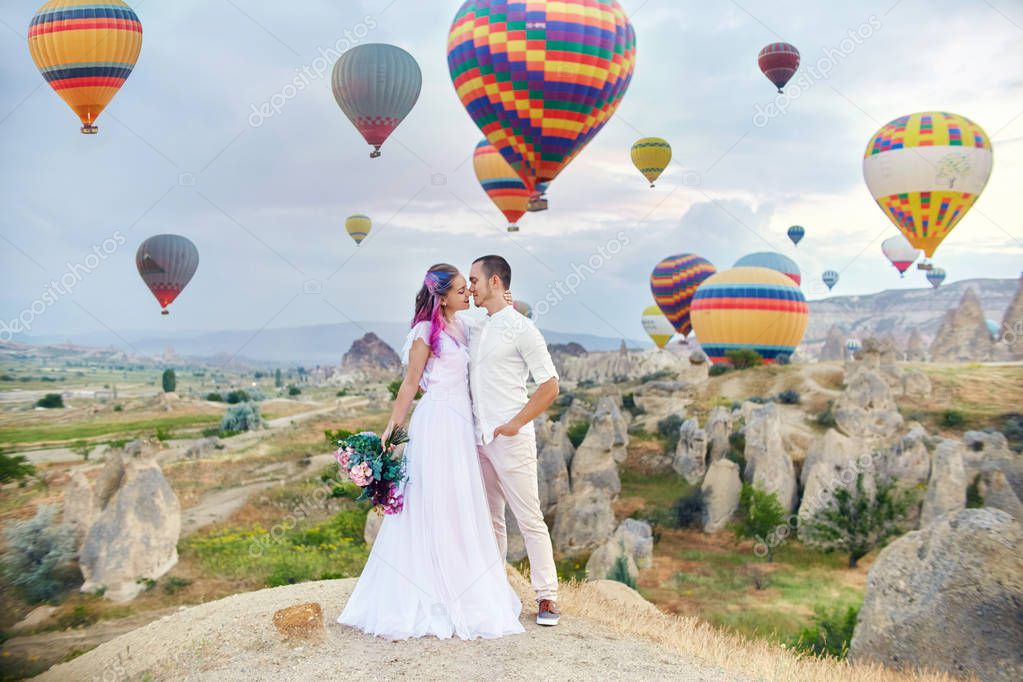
234	639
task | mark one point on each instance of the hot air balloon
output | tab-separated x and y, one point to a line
830	277
779	62
501	183
900	252
772	261
651	155
853	345
925	170
657	326
993	328
936	276
541	79
85	50
673	283
753	308
166	263
523	308
358	227
796	233
376	85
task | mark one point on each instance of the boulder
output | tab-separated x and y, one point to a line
963	335
585	520
80	506
768	466
658	399
593	464
833	463
690	461
697	357
908	463
996	492
948	598
867	407
721	489
987	451
619	427
718	428
202	447
301	620
634	539
135	536
916	384
554	452
946	491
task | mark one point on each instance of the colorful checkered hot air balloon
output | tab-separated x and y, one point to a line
753	308
358	227
673	283
501	183
796	233
900	252
772	261
830	277
925	171
651	155
85	50
936	276
167	263
376	85
657	326
779	62
541	79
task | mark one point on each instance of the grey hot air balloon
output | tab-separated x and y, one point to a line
376	85
166	263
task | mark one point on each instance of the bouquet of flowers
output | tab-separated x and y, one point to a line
369	464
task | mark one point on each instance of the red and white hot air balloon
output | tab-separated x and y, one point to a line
900	252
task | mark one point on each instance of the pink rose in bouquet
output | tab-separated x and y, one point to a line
343	457
361	474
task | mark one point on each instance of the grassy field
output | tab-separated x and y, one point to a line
101	429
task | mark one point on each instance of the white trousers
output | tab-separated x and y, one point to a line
509	475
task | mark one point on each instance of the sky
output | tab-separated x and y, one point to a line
182	150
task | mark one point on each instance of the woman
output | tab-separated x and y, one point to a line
435	568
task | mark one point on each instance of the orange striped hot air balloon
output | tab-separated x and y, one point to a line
749	307
85	50
501	183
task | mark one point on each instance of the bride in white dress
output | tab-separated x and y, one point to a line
435	568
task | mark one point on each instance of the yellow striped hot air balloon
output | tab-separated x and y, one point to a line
925	171
85	49
358	227
651	155
749	307
657	326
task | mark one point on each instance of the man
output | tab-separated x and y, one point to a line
503	351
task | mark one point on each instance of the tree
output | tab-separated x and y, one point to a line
39	556
170	381
760	514
856	521
278	379
13	467
50	400
743	358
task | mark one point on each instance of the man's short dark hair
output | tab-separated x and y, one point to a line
495	265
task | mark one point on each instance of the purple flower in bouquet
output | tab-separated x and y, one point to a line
361	474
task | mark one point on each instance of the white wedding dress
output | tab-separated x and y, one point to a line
434	568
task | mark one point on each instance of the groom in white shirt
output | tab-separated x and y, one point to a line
503	351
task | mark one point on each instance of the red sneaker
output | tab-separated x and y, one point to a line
548	613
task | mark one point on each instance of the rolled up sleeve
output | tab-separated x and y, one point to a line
533	348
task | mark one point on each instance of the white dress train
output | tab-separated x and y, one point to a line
434	568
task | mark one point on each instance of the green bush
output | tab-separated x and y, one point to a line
577	432
163	434
689	509
278	379
974	500
235	397
789	397
174	584
214	397
243	417
719	369
830	633
38	561
952	418
14	467
294	390
620	572
629	401
760	514
169	381
50	401
744	358
668	430
826	418
118	408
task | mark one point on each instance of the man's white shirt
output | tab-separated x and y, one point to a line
504	349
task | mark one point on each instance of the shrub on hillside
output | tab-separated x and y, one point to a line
294	390
169	381
620	572
14	467
689	509
668	429
242	417
214	397
50	401
760	514
719	369
826	417
789	397
830	633
40	555
952	418
744	358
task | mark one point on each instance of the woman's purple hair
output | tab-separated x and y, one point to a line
436	284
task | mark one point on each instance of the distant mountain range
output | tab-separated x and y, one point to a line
898	311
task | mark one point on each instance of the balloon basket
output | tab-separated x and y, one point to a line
375	154
165	312
924	266
513	228
537	202
89	129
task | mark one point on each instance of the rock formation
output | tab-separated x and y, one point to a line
608	405
833	463
721	488
594	465
963	335
554	453
916	384
834	345
633	539
1012	326
915	350
867	407
948	598
369	359
690	461
768	466
719	429
946	491
584	521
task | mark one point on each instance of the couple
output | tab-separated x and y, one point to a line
438	567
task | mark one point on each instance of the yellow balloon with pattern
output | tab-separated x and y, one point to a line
657	326
85	50
925	171
651	155
358	227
